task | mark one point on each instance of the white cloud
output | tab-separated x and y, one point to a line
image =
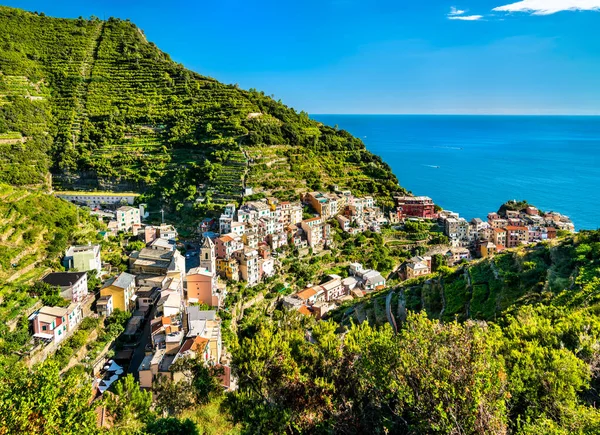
454	11
548	7
466	17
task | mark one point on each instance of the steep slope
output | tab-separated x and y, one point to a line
112	111
565	273
35	228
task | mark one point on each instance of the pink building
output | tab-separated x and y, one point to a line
51	324
201	287
226	245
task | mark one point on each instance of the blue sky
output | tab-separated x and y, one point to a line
380	56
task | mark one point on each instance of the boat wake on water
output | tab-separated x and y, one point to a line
448	148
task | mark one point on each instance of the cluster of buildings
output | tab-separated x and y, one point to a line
354	214
194	333
51	325
127	219
478	237
501	231
249	235
316	300
156	289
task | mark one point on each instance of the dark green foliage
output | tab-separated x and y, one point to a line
48	294
172	426
369	380
535	370
512	206
198	385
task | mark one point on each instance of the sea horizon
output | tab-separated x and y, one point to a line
472	164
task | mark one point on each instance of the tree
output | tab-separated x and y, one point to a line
172	426
50	295
129	406
431	378
41	401
197	383
172	397
135	245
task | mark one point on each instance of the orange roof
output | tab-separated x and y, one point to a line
196	344
500	248
304	310
307	293
312	219
513	228
226	239
160	323
499	230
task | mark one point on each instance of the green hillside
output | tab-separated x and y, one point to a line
508	345
102	107
563	273
35	229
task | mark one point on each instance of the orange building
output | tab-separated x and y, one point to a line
201	287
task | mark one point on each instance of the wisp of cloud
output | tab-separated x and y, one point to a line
548	7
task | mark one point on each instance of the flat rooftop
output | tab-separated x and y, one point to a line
88	193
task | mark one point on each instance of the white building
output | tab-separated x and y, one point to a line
73	285
83	258
128	217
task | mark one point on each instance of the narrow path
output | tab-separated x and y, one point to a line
470	290
388	312
360	314
402	306
443	290
139	351
494	269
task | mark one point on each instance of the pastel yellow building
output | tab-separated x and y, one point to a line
122	289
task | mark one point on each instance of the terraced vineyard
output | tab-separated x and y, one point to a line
34	230
106	109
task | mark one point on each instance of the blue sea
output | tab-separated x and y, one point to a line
473	164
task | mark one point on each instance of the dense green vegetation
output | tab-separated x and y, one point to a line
561	273
106	108
505	345
532	368
536	373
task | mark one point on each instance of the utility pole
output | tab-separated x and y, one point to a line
162	213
